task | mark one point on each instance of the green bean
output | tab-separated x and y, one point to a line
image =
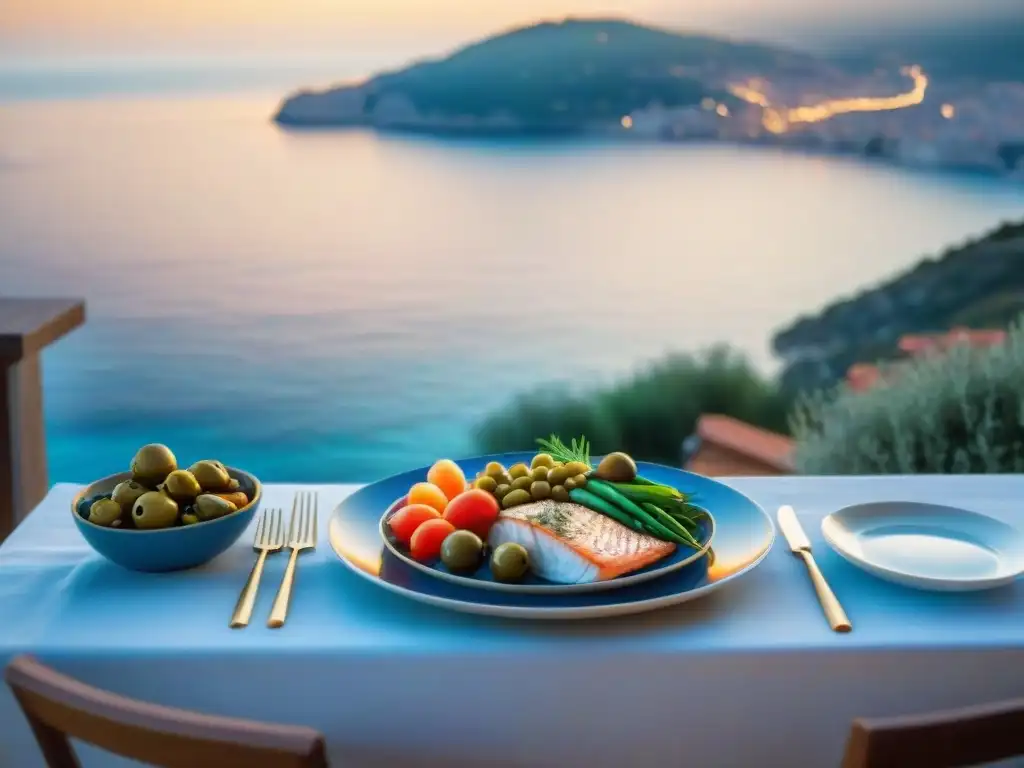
638	494
690	522
638	480
651	531
607	491
660	531
687	523
678	508
684	512
662	517
665	519
646	490
596	503
603	489
643	481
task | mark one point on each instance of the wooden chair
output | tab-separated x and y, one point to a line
58	707
961	737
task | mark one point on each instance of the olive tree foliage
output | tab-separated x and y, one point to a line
959	413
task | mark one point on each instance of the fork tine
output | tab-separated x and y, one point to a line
305	518
268	534
296	511
260	525
278	533
313	529
308	518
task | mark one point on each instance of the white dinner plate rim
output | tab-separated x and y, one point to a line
830	524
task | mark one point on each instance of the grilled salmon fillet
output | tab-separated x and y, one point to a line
571	544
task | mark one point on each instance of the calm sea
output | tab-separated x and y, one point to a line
338	306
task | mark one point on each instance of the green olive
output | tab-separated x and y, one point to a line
539	473
462	551
494	468
559	493
503	479
616	467
189	519
211	475
104	512
509	562
127	493
569	483
540	489
210	507
501	491
557	475
153	463
542	460
181	485
516	497
154	510
486	483
234	485
523	483
518	470
580	480
577	468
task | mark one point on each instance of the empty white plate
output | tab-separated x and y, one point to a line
927	546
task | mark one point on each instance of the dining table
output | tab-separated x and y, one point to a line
749	675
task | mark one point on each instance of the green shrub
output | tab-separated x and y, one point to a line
962	413
648	415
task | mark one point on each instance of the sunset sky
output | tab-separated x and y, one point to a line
261	25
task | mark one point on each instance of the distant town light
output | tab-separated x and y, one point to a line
948	111
707	103
627	122
722	110
773	121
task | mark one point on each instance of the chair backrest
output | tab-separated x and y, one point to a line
58	707
961	737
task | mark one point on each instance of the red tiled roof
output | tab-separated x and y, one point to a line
862	377
919	344
767	447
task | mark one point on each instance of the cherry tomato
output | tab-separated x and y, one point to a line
406	520
448	476
426	541
473	510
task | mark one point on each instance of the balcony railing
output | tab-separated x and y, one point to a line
27	326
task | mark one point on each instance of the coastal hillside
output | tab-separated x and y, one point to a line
979	284
985	49
552	76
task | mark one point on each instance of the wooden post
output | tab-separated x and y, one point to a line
27	326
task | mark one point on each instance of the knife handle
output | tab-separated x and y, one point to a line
834	612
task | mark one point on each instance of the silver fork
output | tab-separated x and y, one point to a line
269	538
301	535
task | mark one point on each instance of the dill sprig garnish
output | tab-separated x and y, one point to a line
577	451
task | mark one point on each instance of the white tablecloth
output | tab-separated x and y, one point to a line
750	675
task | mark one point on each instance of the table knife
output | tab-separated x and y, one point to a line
801	545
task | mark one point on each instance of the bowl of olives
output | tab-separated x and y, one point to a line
159	517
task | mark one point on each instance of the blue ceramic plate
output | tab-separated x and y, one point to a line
743	536
482	578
